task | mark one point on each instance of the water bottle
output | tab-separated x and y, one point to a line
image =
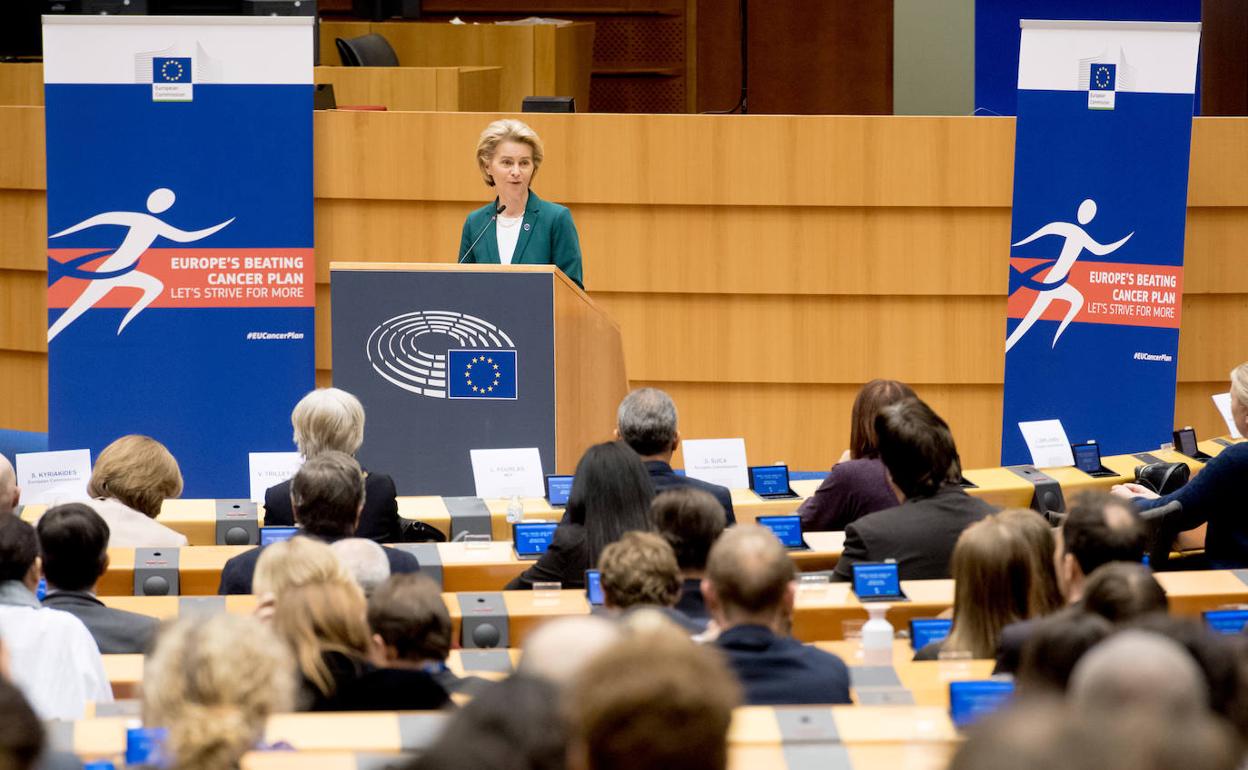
877	637
42	589
515	510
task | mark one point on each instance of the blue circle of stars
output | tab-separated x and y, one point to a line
164	70
1102	72
484	370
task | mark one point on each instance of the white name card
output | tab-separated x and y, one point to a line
507	472
50	478
1047	442
1223	402
717	460
267	469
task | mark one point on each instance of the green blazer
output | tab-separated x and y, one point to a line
547	237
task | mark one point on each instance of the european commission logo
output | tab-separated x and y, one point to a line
1102	85
445	354
172	79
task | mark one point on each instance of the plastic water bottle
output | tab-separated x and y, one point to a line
877	637
515	510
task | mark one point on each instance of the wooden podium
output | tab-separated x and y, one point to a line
409	339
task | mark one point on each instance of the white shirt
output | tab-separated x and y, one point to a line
52	655
508	230
128	528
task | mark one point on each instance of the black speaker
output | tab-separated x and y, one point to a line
548	104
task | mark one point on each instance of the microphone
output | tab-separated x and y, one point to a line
500	208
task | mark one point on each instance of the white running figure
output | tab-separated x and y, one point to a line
1076	241
144	230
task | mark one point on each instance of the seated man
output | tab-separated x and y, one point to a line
646	421
365	560
52	656
327	495
74	541
640	570
10	492
750	586
690	520
917	448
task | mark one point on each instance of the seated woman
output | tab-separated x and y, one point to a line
326	626
858	484
292	563
610	495
332	419
212	681
1216	495
131	479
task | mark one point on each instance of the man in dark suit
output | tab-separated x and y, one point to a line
646	421
73	539
327	495
749	587
690	520
917	448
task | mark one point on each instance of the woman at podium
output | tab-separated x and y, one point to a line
518	228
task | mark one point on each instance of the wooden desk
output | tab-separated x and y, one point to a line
926	680
821	612
434	89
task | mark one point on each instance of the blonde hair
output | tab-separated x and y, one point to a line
328	419
138	471
1037	535
639	569
212	681
991	570
506	130
321	618
296	562
1239	383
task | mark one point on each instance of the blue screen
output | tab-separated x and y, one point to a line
879	579
271	535
532	538
143	746
924	631
1226	621
968	701
593	586
557	489
1088	457
787	528
770	479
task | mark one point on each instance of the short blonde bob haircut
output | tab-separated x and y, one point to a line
1239	383
137	471
328	419
506	130
299	561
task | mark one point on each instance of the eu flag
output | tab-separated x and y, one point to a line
481	374
1103	77
171	70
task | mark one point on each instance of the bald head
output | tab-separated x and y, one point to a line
749	578
559	649
9	491
1139	670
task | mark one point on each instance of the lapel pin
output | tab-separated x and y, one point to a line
527	226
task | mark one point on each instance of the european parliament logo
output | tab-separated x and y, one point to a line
481	374
1102	85
410	351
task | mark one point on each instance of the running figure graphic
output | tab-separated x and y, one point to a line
119	269
1076	241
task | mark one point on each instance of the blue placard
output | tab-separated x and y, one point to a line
532	538
970	700
143	746
770	479
787	528
1226	621
593	587
488	374
557	489
271	535
876	579
1088	457
924	631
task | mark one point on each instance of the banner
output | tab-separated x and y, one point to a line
180	266
1100	203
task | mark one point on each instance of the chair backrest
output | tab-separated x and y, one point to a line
371	50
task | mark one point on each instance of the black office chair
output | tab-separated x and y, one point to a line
370	50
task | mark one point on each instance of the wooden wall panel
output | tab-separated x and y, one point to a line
442	89
21	83
22	164
24	223
25	402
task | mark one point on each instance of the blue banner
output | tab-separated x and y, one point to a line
1096	260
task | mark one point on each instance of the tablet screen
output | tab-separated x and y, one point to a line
924	631
271	535
770	479
877	579
970	700
1087	457
1226	621
787	528
593	587
557	489
532	538
1187	441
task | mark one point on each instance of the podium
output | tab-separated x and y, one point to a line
449	358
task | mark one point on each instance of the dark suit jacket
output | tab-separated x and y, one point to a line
565	561
691	602
360	686
115	631
379	521
919	534
547	237
1010	645
663	477
775	670
237	573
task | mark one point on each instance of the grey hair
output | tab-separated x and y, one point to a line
1239	383
364	560
1139	669
646	421
328	419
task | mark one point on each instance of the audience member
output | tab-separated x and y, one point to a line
131	479
917	447
332	420
646	421
652	700
21	731
560	648
365	561
1214	496
610	496
858	484
749	588
328	495
1046	594
326	626
299	561
1054	648
212	681
53	658
515	724
73	539
1122	591
640	570
1139	670
10	492
690	520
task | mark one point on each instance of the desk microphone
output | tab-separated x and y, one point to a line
500	208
